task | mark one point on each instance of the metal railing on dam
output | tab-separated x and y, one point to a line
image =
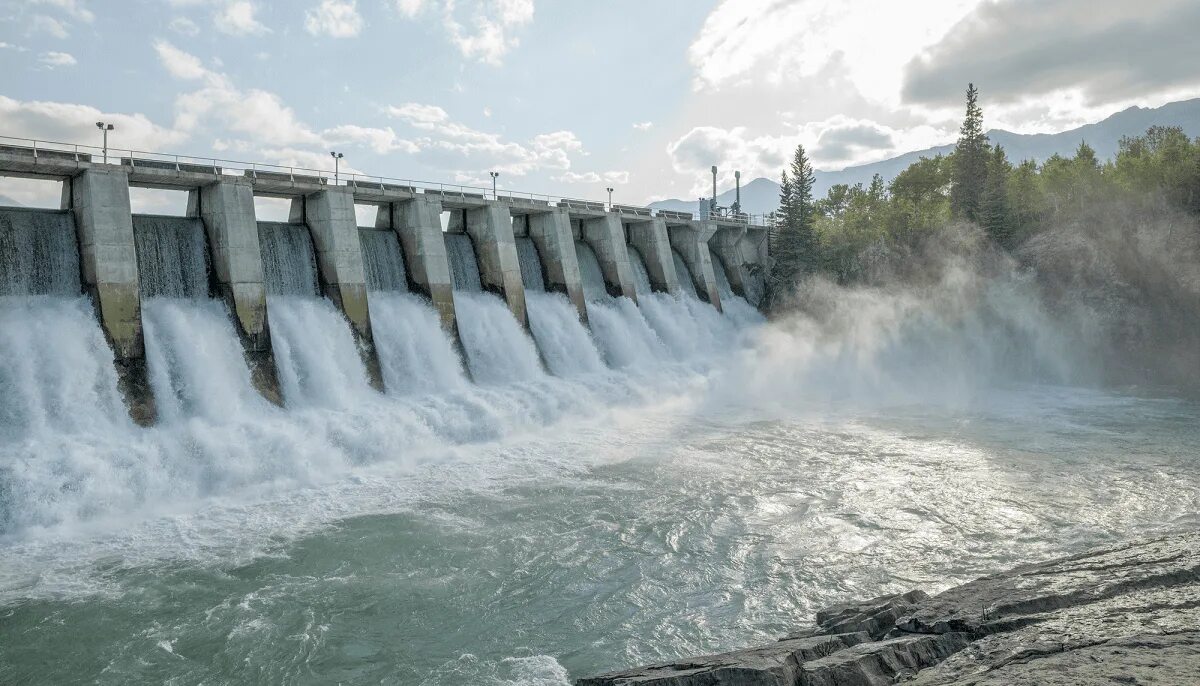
55	155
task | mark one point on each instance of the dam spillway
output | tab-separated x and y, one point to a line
521	289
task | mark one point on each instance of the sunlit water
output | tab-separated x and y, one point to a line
539	528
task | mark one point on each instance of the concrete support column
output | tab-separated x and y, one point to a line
691	241
108	259
329	215
606	235
491	231
726	243
551	233
419	225
650	239
227	210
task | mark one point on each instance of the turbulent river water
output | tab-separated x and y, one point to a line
530	528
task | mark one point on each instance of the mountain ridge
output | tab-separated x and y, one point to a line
761	195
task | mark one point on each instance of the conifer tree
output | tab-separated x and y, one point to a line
970	162
996	214
794	244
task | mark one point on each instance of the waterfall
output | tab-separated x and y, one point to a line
531	265
590	272
498	350
38	253
464	270
289	263
641	277
618	325
564	343
316	358
196	362
57	378
383	260
735	307
416	355
172	256
686	283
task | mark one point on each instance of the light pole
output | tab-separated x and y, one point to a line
494	175
337	158
105	128
609	197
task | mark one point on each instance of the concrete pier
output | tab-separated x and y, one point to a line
606	235
418	223
99	198
649	237
329	215
551	233
227	210
690	239
491	231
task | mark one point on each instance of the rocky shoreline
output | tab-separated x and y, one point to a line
1121	615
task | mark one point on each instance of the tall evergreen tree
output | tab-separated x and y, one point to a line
970	162
995	214
794	245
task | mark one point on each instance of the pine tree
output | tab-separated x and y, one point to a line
970	162
802	223
995	214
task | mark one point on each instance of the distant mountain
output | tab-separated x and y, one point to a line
761	196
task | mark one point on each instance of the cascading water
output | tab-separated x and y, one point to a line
383	261
464	270
498	350
686	283
172	256
617	324
196	361
531	265
688	327
38	253
289	263
566	346
416	355
316	358
735	307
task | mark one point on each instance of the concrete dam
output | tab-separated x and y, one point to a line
512	286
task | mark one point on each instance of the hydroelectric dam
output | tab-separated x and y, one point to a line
488	268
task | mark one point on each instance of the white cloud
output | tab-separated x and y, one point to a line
409	8
178	63
772	41
73	123
183	26
451	145
335	18
237	18
379	140
54	59
72	8
43	24
482	30
643	125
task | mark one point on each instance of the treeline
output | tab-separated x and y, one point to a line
837	235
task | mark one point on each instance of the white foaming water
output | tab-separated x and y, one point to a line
687	326
624	336
196	362
415	353
316	357
56	372
565	345
735	307
498	351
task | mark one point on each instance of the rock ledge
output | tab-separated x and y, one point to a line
1128	615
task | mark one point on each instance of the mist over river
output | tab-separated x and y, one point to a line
706	490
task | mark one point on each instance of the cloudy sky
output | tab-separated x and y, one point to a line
569	96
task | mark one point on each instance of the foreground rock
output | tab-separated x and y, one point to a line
1124	615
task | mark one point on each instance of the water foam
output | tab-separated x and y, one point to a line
565	345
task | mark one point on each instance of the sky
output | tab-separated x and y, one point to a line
569	97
